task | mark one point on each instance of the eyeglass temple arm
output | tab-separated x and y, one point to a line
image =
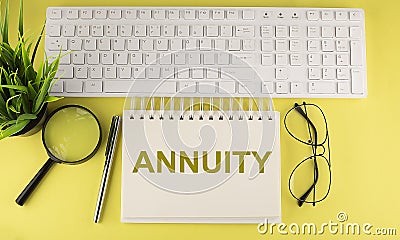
303	198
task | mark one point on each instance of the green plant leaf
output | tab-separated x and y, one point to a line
37	45
21	18
13	129
51	99
26	116
16	87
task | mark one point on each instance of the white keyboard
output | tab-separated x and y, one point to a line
208	52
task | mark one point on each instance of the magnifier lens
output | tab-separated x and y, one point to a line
71	134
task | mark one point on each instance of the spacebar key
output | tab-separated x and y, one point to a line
322	87
139	86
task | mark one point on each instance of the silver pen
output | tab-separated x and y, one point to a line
110	149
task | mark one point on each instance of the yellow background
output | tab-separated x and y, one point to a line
364	135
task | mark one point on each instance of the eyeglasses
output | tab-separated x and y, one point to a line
315	135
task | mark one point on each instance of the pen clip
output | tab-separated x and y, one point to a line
111	134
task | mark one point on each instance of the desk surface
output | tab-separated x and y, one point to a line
363	134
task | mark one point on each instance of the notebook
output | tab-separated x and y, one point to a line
200	166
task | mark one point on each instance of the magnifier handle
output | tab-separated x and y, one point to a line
34	183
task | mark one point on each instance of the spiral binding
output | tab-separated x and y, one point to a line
201	113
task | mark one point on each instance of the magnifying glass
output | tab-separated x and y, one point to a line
71	135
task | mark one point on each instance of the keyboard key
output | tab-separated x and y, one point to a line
100	14
165	59
212	31
125	30
327	15
212	73
341	15
139	72
282	87
343	73
357	83
218	14
295	45
93	86
72	14
65	72
223	58
328	73
56	44
322	87
314	32
107	58
313	15
168	72
243	59
296	60
281	59
73	86
314	73
58	87
140	31
78	58
133	44
121	58
328	32
187	86
114	14
168	31
355	32
93	58
220	44
342	32
244	31
248	15
314	59
342	59
237	73
124	72
355	16
204	14
96	72
145	14
189	14
208	58
328	45
159	14
281	31
173	14
343	87
111	31
176	44
54	14
294	31
180	58
147	44
68	30
150	58
90	44
267	31
53	30
197	31
161	44
247	87
248	45
183	73
356	53
267	45
86	14
207	87
198	73
110	72
281	73
267	87
267	59
97	31
104	44
183	31
281	45
205	44
328	59
226	87
130	14
342	45
313	45
297	87
232	15
154	72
